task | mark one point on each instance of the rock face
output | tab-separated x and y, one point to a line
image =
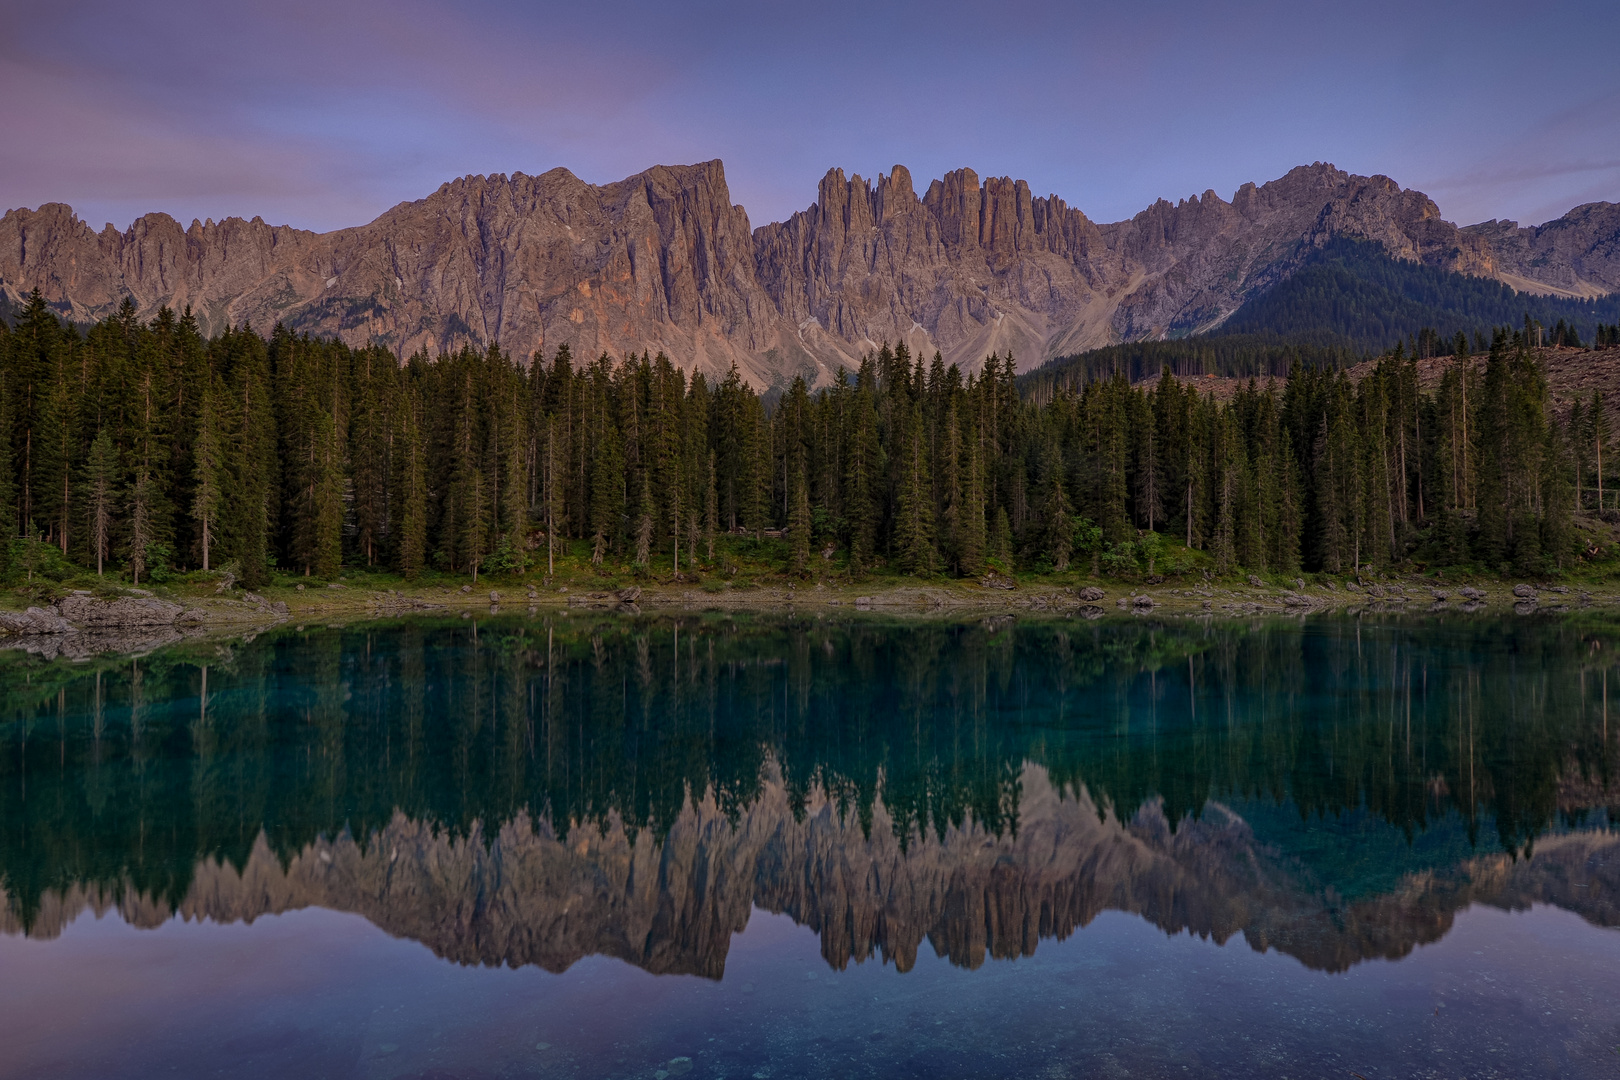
664	260
522	895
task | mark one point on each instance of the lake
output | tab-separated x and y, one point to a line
555	845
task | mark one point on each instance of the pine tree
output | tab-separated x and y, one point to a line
953	514
412	500
970	553
1001	547
1056	522
644	524
140	523
1229	477
1289	514
475	521
8	482
607	495
914	524
711	507
208	468
865	470
101	479
1557	539
799	520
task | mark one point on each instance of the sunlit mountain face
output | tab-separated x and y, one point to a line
543	792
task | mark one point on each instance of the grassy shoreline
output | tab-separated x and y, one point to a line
208	599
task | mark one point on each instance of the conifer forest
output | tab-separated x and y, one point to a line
144	449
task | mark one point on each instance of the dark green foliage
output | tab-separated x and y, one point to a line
1229	355
154	450
1350	294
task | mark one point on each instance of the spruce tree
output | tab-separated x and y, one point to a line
711	507
101	480
1056	522
865	470
411	557
799	520
208	469
914	525
970	553
607	494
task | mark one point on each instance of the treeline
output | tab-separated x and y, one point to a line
146	448
1352	294
1230	355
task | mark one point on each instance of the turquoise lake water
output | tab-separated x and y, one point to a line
728	846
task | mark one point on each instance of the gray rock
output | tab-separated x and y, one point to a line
1524	592
1255	582
629	594
35	621
122	613
1091	594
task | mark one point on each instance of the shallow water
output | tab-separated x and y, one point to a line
755	847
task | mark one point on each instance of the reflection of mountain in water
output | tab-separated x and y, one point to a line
1336	789
670	905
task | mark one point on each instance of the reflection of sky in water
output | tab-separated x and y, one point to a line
1518	994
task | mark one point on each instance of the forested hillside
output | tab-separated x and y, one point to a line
1351	294
143	448
1229	356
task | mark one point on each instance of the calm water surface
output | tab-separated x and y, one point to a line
784	847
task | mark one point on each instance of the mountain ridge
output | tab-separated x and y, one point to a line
663	260
520	894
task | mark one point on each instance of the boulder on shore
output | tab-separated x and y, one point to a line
36	620
91	613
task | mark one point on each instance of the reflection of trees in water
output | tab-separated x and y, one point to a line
128	772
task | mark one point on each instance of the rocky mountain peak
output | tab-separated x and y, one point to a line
664	260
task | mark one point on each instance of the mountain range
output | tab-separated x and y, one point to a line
664	260
521	894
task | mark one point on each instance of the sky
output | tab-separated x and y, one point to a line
323	113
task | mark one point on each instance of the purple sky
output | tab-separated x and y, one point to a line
323	113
